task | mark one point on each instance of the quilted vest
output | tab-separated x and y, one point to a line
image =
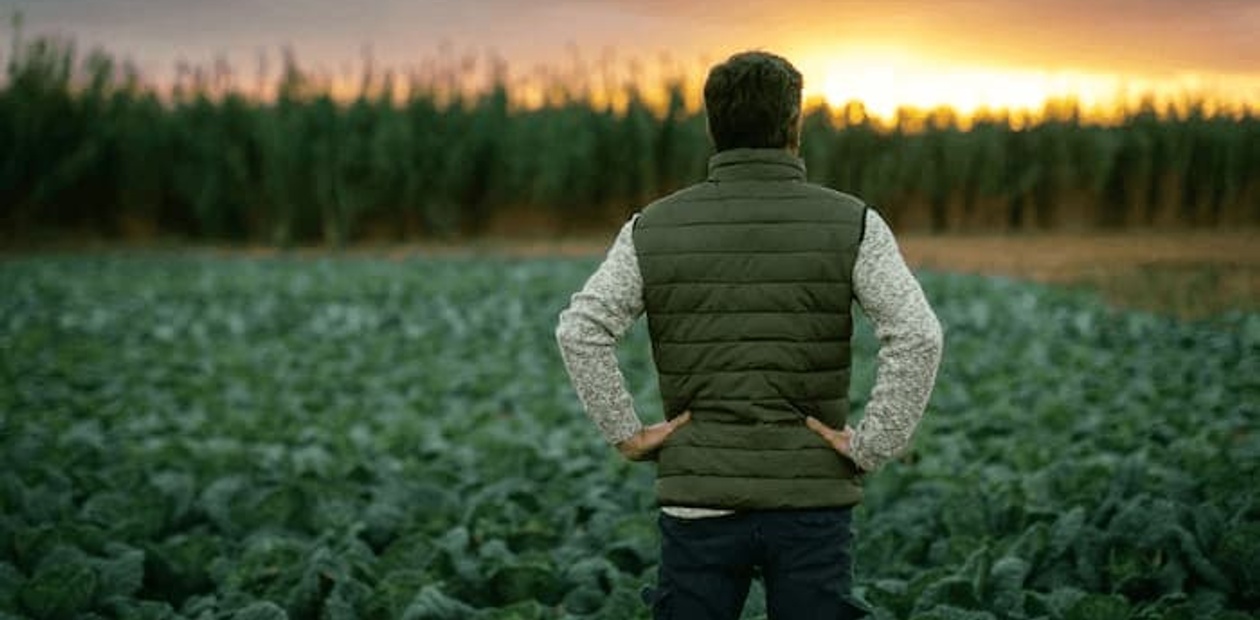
747	284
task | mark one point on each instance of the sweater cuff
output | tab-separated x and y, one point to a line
616	433
867	463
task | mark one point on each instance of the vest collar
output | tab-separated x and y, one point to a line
760	164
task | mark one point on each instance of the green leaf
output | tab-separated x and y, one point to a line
977	569
1065	531
393	593
523	610
180	565
949	612
1098	607
584	600
10	585
270	567
1006	582
952	591
60	588
525	581
433	604
1238	554
125	609
34	544
348	596
218	498
121	575
890	595
1056	602
264	610
178	488
1196	560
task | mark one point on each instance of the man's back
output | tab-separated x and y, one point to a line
747	286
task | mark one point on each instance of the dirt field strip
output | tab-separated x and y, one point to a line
1194	273
1062	257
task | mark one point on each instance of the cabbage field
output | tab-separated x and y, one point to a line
196	436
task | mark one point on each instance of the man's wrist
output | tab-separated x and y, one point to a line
862	461
623	434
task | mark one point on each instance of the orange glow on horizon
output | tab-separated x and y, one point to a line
887	78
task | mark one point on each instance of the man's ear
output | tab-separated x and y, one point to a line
798	127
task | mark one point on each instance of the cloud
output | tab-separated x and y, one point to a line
1152	36
1148	35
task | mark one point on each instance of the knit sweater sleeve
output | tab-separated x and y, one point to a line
588	331
910	345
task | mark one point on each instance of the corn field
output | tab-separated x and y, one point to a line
88	147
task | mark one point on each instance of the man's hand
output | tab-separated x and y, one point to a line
644	444
838	439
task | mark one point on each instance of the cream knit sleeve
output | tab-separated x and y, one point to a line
588	332
910	346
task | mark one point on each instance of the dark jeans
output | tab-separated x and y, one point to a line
802	556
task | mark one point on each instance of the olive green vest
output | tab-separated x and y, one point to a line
747	284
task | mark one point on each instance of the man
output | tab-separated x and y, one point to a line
747	280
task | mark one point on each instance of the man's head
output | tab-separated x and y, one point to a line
753	100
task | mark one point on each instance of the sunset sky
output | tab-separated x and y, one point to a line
965	53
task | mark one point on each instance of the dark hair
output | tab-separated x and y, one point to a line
753	100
